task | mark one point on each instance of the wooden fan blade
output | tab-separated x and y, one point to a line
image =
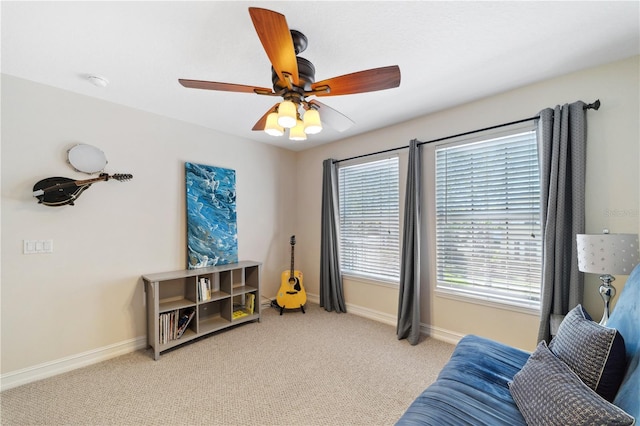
360	82
263	120
333	118
226	87
275	36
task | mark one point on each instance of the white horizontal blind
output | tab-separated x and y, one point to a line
488	219
369	219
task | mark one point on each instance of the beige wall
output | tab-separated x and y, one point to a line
87	297
612	191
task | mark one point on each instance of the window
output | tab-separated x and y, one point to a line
488	241
369	219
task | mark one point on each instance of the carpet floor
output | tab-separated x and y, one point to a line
318	368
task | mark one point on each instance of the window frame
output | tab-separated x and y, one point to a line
475	297
345	270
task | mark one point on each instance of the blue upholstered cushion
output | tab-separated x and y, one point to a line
472	388
595	353
628	397
548	392
626	319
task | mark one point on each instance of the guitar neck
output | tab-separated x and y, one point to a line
76	183
291	261
90	181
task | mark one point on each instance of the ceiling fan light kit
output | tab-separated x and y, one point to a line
297	133
293	79
287	114
277	122
312	123
272	127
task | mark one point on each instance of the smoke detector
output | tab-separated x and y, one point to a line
97	80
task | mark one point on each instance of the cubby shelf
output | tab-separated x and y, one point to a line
212	294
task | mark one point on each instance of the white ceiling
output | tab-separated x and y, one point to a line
449	52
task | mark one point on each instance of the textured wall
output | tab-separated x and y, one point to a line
612	190
87	295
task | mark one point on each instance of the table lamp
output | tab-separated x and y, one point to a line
608	255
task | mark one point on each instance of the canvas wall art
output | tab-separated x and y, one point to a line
212	234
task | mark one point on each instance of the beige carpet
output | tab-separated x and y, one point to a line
318	368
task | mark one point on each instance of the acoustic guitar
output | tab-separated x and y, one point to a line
291	294
60	191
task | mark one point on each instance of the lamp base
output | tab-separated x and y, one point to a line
607	291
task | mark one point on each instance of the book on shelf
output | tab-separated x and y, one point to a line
248	308
239	313
162	319
204	289
166	327
184	322
250	303
173	324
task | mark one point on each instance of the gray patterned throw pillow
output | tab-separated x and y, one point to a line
547	392
595	353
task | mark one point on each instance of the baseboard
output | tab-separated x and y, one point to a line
441	334
53	368
426	329
360	311
49	369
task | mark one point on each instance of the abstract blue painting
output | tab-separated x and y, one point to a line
212	233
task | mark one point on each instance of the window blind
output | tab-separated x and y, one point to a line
369	219
488	219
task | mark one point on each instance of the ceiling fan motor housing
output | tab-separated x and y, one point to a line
300	41
306	70
306	76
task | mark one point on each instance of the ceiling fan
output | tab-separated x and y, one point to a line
293	79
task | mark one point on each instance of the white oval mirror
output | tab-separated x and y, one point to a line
86	158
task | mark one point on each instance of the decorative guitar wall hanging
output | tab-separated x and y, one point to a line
60	191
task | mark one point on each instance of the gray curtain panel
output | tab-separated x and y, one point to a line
562	150
409	298
331	293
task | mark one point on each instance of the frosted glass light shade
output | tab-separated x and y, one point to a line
614	254
287	114
297	133
272	127
312	124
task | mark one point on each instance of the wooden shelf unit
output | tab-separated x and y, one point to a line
233	287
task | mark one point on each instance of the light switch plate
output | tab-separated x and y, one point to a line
37	246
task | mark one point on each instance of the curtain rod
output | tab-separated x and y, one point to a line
595	105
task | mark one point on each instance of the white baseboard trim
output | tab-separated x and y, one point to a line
62	365
361	311
426	329
53	368
441	334
372	314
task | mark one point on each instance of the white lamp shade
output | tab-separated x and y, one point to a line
297	133
287	114
312	124
272	127
614	254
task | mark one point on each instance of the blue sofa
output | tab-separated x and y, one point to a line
473	387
